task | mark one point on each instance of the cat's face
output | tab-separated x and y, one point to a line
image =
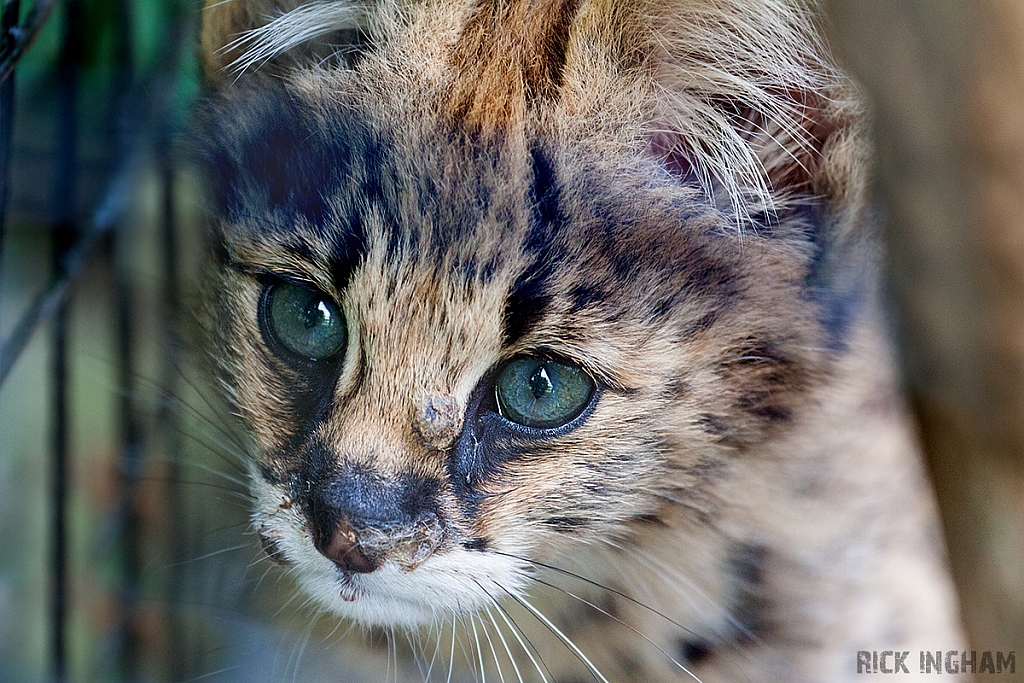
460	350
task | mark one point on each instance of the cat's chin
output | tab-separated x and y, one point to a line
456	583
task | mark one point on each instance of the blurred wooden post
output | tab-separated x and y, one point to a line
945	82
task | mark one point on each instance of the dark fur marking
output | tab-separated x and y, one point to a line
271	153
702	324
566	524
530	295
650	518
477	544
586	296
546	85
694	651
269	475
713	425
678	388
832	281
272	549
768	380
309	398
505	42
710	277
348	249
750	604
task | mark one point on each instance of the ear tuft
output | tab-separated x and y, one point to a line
249	35
749	101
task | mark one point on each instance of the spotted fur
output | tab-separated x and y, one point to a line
668	195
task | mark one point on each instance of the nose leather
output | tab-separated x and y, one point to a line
343	550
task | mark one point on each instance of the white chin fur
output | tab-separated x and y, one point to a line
453	583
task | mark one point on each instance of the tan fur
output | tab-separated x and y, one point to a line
667	195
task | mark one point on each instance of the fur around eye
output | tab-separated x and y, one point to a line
302	321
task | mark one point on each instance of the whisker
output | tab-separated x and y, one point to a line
218	672
186	482
611	590
649	559
508	651
270	567
568	642
240	462
620	621
167	395
415	653
519	634
285	605
300	650
340	622
242	484
221	551
479	649
389	634
451	659
494	653
437	648
217	414
467	654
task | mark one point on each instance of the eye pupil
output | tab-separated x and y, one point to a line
540	383
317	314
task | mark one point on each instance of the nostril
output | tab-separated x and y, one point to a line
342	548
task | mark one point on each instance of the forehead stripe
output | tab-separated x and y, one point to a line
531	293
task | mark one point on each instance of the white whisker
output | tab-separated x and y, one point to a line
566	640
504	643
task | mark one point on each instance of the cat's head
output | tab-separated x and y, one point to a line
497	278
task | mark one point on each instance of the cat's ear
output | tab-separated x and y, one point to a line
749	104
274	36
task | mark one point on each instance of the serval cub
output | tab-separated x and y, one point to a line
555	327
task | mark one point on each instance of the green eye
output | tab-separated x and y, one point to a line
304	321
540	393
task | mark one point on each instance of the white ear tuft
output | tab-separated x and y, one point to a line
748	98
293	29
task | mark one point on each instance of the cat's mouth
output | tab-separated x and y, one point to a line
349	591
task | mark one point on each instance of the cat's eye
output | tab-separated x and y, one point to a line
306	322
542	393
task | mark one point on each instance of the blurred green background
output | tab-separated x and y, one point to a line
164	579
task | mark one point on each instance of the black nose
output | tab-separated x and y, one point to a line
360	519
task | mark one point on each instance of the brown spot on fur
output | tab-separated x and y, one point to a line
510	54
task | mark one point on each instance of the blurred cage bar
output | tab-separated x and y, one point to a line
83	135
